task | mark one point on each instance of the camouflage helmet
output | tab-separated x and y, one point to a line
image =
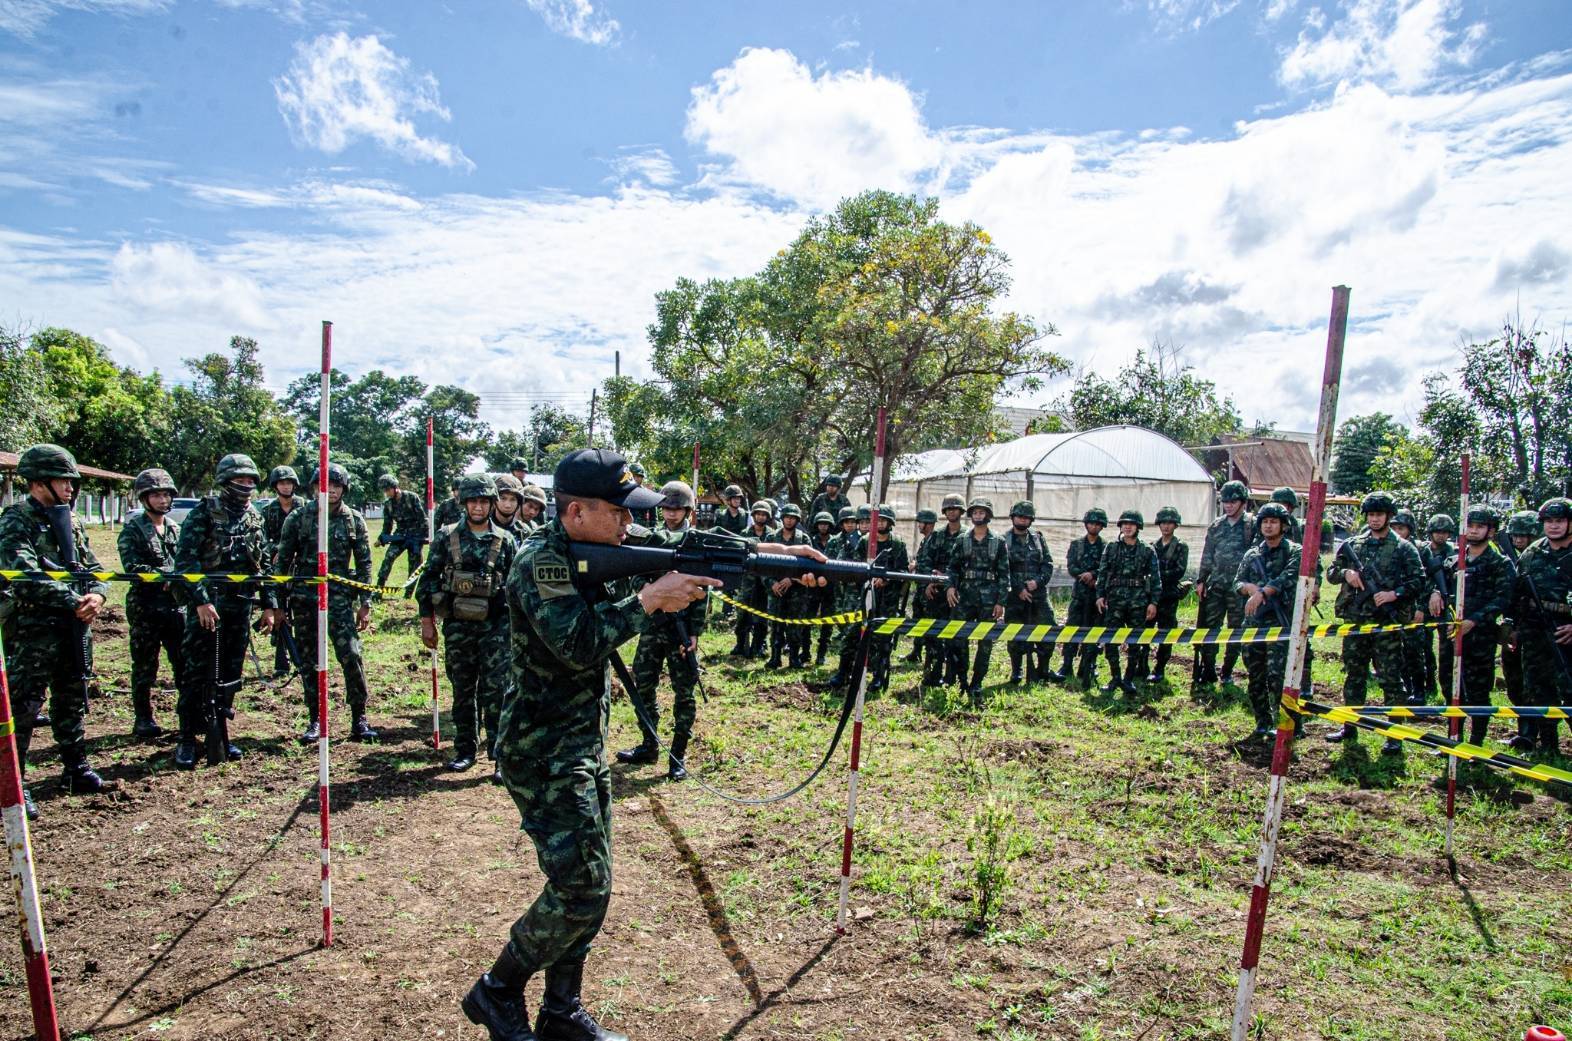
952	501
1024	508
510	484
764	506
478	486
1274	509
1442	522
823	517
676	495
1234	491
1286	496
455	482
152	480
1405	517
1479	513
281	473
732	492
1096	515
926	516
1378	502
235	464
387	481
518	462
336	474
1492	518
864	512
1133	517
1523	522
1168	515
1559	508
637	470
846	514
834	479
791	509
981	503
887	512
46	462
533	493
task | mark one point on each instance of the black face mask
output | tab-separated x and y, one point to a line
236	495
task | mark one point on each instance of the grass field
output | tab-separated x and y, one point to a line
1060	865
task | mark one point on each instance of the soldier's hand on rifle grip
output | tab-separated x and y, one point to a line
952	597
428	632
1355	582
1564	634
88	607
272	618
207	616
363	618
675	591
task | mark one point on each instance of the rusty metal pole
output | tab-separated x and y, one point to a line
1455	725
1282	753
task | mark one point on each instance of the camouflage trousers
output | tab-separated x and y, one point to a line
1220	606
1082	611
1545	681
971	611
475	655
1267	664
659	651
1385	651
40	661
792	639
1479	672
1126	614
1038	657
346	648
214	662
751	629
394	549
880	650
565	807
155	626
1168	618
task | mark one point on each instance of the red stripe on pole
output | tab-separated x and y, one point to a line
1254	923
846	848
856	755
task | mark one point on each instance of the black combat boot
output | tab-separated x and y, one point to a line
563	1016
1015	667
313	730
29	807
1391	746
1116	680
359	729
79	778
186	751
463	758
1548	739
1523	740
677	758
974	689
644	752
496	1001
232	751
1347	732
145	728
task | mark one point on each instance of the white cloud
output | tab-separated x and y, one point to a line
1404	43
577	19
25	17
169	277
1188	15
339	89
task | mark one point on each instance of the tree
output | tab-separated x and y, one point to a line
29	413
551	433
1358	441
109	416
225	409
1156	390
458	435
1405	465
369	418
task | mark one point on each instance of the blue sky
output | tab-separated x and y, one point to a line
490	193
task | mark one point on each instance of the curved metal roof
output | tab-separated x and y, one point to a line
1129	452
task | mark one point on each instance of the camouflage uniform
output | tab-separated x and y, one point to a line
1030	561
1226	543
40	651
821	600
475	651
980	574
1488	596
1542	602
349	555
448	511
152	615
943	663
792	640
273	518
824	502
1085	555
1415	640
891	553
1128	582
1173	560
1278	568
754	591
1434	561
1527	522
404	530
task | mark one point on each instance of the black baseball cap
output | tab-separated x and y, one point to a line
598	473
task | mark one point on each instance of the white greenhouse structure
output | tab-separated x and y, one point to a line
1064	475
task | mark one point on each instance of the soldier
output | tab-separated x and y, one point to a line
945	660
507	505
1433	556
1031	569
1083	561
1173	560
222	535
283	481
1522	530
1381	577
463	586
864	520
830	500
890	553
1266	579
643	517
1542	617
733	518
1415	640
553	738
533	510
1488	597
671	643
787	598
822	601
349	609
403	527
448	511
754	590
1127	588
147	543
43	649
518	467
1288	499
1226	541
979	585
927	520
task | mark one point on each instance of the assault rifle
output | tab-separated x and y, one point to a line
711	555
1276	602
79	633
1374	582
1544	609
409	541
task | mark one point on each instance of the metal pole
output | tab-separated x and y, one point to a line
591	439
1282	753
322	635
695	478
35	957
1455	725
431	541
862	686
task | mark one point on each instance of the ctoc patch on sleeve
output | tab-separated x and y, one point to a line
554	580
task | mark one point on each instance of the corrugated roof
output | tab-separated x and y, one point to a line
1275	462
9	460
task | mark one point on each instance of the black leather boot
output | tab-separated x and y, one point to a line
644	752
676	758
313	731
496	1001
78	778
1015	667
29	807
360	730
563	1016
1115	680
186	752
1347	732
145	728
463	759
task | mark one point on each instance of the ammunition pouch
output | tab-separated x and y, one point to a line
466	595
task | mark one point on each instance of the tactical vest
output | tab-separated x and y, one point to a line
234	545
466	595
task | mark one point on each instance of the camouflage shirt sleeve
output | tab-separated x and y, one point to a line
1208	554
431	578
360	553
1489	592
574	631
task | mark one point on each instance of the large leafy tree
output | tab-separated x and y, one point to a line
225	409
1156	390
551	433
458	435
109	416
29	413
1359	440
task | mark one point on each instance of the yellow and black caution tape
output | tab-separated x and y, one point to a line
1026	632
152	577
844	618
1462	711
1461	749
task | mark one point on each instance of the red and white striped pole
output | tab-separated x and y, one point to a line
431	540
322	635
1455	725
1282	753
35	958
862	682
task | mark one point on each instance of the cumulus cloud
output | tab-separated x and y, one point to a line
775	125
340	89
577	19
1545	263
170	277
646	165
1404	43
